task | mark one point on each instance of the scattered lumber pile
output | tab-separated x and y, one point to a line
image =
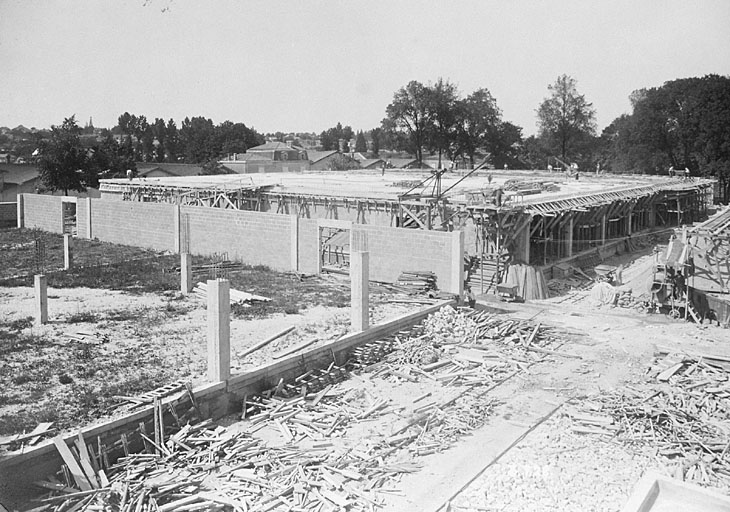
237	296
151	396
684	411
415	281
290	453
30	438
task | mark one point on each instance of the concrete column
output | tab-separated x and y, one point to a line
294	243
603	229
21	211
457	263
359	290
186	273
176	228
219	330
629	218
41	299
569	239
68	256
89	233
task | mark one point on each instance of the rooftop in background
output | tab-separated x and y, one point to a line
524	187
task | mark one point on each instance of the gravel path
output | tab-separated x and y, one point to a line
553	469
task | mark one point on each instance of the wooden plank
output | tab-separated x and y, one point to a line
85	461
72	464
266	342
295	348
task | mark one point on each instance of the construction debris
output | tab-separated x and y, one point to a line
237	296
414	281
683	411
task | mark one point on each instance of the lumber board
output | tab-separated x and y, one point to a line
73	465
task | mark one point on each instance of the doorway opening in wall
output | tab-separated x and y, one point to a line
69	217
334	249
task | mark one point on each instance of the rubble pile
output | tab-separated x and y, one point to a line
684	411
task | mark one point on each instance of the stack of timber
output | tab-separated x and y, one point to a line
484	276
416	281
682	409
237	297
530	282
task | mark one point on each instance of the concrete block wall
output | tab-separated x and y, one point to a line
255	238
8	215
82	218
148	225
393	250
309	257
43	212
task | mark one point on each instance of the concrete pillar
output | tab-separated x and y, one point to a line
176	229
359	290
68	256
41	299
21	211
186	273
294	243
457	263
569	239
89	233
629	218
219	330
603	229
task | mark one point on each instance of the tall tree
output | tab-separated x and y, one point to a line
64	163
443	105
172	141
361	145
409	114
478	123
565	117
376	135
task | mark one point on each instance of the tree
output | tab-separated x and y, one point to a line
197	136
111	160
565	117
478	123
376	135
409	114
361	145
330	138
64	163
443	112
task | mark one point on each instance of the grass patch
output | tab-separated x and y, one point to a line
84	317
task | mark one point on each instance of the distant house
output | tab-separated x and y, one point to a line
17	179
269	157
25	179
5	158
321	160
368	163
165	170
404	163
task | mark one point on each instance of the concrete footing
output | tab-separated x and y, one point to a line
219	330
41	299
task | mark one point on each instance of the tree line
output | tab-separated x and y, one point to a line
682	123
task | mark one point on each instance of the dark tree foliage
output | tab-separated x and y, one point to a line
376	136
330	139
361	144
478	124
64	163
683	123
444	113
566	120
409	114
112	160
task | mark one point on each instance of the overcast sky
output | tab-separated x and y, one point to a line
305	65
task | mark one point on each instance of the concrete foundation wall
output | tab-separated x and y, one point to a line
252	237
43	212
8	215
148	225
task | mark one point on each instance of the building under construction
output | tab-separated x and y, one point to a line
532	217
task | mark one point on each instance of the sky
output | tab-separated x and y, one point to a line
304	66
